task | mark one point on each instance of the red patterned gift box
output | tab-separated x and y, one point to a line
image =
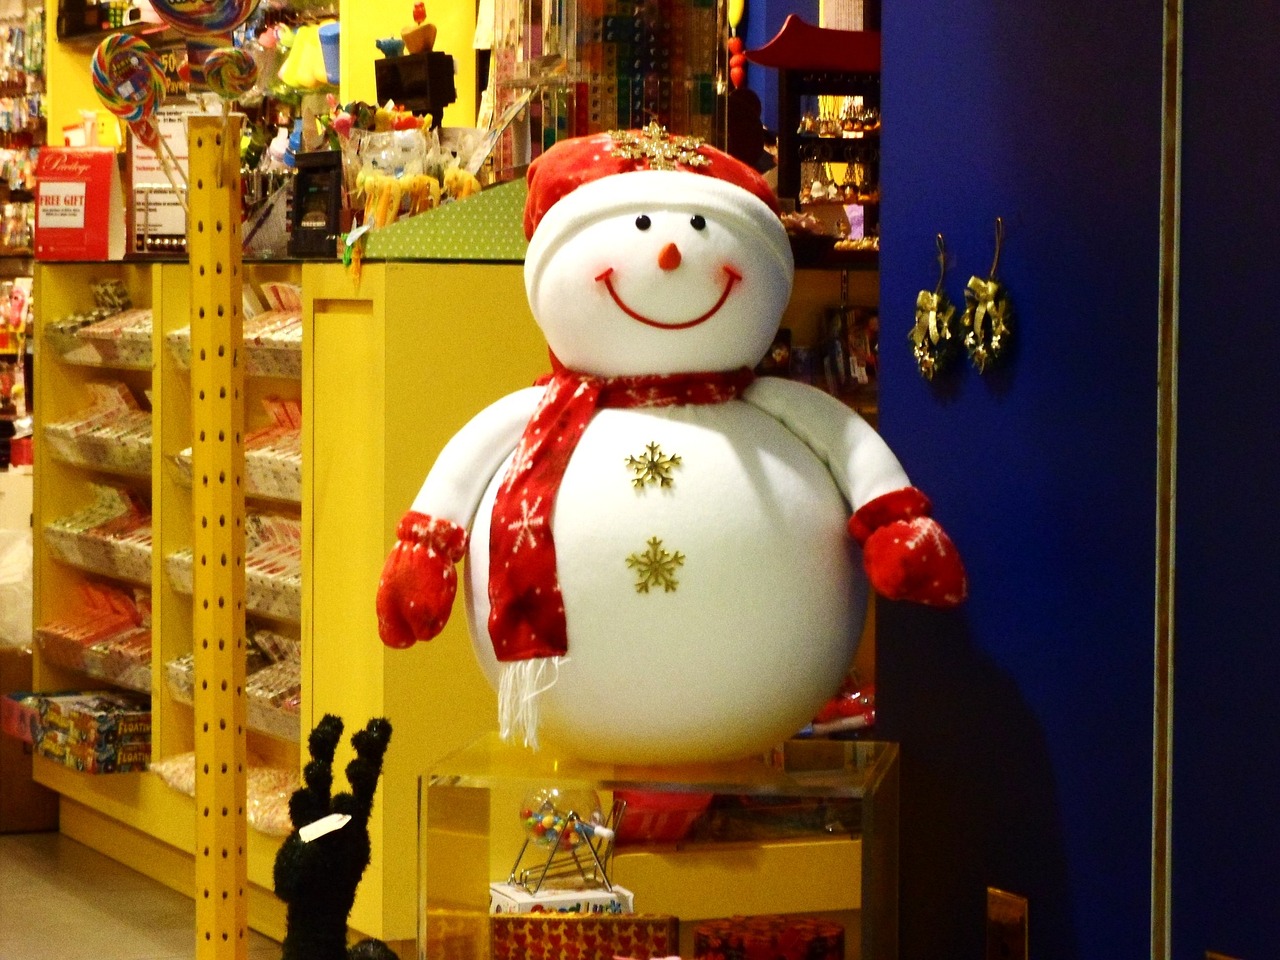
457	935
769	938
559	937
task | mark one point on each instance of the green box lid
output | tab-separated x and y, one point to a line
487	226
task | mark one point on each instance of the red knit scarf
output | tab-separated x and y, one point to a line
526	613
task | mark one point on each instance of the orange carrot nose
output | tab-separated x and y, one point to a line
669	258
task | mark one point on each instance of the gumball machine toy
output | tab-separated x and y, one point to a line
568	846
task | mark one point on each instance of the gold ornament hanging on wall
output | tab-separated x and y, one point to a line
988	314
934	340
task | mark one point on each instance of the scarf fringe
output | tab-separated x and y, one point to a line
519	688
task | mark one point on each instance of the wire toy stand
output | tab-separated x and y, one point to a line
578	847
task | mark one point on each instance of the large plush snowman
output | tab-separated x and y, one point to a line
665	554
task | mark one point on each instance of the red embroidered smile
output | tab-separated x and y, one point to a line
731	277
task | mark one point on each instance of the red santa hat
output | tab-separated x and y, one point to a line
581	180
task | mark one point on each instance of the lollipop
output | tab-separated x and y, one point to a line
128	81
230	72
127	77
148	133
204	18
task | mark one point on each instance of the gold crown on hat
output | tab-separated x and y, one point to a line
663	151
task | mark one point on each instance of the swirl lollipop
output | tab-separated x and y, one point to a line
204	18
130	84
148	133
230	72
127	77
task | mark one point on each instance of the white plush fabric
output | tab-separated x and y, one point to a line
768	600
767	608
594	229
471	457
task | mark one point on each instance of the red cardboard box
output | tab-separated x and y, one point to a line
25	806
532	936
79	204
769	937
19	716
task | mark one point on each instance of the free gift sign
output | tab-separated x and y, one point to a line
79	204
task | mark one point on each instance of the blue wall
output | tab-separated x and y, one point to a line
1227	723
1025	718
761	22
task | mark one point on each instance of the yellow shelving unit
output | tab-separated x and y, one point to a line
390	371
136	818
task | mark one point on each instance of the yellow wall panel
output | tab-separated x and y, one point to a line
455	23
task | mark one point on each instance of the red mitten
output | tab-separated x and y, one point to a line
415	594
907	554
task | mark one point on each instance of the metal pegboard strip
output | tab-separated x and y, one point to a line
217	403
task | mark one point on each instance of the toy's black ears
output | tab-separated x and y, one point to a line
323	740
372	741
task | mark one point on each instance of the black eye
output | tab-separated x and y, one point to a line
643	222
698	222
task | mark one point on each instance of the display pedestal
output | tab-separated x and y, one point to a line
810	830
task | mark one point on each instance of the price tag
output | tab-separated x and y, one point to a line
328	824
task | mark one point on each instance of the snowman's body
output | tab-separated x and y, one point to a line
755	593
736	643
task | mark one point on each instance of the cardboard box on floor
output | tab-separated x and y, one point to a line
25	806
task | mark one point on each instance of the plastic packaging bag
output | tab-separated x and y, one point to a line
15	588
267	790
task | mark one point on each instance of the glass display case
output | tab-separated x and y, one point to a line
655	861
829	136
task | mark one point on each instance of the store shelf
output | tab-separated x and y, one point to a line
273	568
93	356
107	638
383	380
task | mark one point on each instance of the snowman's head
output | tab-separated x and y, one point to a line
653	271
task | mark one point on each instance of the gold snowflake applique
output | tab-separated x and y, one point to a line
652	466
655	567
663	151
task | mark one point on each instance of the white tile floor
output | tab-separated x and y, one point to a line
59	900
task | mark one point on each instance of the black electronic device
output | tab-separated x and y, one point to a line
421	82
316	220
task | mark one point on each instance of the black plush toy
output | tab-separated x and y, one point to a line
318	880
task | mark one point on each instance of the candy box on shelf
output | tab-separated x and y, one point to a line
273	567
61	335
568	937
106	634
122	339
510	898
123	659
112	433
97	717
111	536
272	336
273	699
88	757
